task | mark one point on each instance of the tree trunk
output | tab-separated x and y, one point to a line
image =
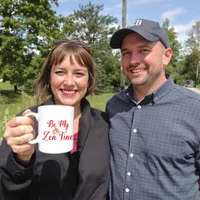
15	88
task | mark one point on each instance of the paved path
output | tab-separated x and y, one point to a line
195	90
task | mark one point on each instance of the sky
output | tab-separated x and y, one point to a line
182	14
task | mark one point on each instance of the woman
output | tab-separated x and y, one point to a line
67	77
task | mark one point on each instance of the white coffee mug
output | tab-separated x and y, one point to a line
55	128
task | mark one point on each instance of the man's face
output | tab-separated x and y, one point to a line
144	62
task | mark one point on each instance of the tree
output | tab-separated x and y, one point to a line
172	68
89	25
28	28
191	61
193	41
108	66
193	44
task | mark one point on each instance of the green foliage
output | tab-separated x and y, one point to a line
108	66
172	68
3	99
7	98
27	31
173	39
192	60
193	42
28	28
89	25
191	64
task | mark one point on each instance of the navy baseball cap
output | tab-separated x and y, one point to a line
149	30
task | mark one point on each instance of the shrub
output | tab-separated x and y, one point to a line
4	99
27	100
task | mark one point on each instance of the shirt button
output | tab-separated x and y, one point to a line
131	155
127	190
128	173
134	130
139	106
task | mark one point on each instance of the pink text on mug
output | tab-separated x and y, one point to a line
57	133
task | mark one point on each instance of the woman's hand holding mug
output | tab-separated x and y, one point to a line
55	131
18	132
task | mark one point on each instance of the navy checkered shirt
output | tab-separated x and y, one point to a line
155	145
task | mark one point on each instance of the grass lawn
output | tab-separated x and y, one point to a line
5	86
99	101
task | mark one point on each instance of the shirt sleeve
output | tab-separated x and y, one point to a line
15	178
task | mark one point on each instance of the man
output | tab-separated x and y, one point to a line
154	124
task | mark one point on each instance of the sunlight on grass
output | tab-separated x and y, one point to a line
6	86
99	101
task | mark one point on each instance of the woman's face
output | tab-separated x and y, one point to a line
69	82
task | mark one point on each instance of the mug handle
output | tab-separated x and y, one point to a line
36	116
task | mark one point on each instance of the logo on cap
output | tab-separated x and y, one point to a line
135	23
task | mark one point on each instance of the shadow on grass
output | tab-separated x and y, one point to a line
9	96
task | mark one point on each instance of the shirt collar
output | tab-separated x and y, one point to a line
163	89
155	96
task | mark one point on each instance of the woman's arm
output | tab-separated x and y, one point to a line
17	157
